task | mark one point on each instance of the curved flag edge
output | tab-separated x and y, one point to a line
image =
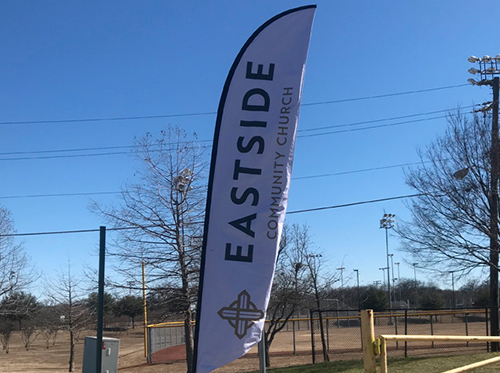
220	112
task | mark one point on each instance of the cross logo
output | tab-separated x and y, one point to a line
241	314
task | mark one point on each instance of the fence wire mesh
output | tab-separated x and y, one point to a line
336	334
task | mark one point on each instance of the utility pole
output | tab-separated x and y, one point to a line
387	222
488	69
494	219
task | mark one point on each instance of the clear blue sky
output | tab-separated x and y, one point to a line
92	59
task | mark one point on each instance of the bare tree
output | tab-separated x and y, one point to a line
64	292
165	211
450	227
19	307
289	285
49	334
49	322
15	271
28	334
320	283
455	219
6	329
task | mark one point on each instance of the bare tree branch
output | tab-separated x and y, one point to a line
166	206
450	218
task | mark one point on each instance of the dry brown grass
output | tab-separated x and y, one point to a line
132	360
131	356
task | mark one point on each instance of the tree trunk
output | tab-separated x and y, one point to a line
71	352
268	360
188	332
322	330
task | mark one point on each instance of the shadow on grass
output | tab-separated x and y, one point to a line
400	365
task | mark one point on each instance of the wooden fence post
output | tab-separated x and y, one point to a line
368	340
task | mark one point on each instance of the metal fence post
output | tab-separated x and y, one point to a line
311	313
466	327
149	331
406	331
396	330
327	335
487	329
432	330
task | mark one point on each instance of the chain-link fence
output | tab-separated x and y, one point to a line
162	336
336	334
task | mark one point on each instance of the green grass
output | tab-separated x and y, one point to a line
401	365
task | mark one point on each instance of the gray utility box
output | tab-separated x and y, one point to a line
109	350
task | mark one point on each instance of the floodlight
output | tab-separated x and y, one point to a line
473	59
472	81
474	71
486	59
490	70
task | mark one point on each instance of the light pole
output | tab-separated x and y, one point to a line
392	276
488	72
341	269
357	287
453	289
297	266
383	274
130	283
399	278
387	222
416	286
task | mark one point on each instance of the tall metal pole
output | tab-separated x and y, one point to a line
341	269
416	285
387	222
145	309
494	218
357	287
388	268
399	279
485	74
383	273
392	277
100	299
453	289
297	267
